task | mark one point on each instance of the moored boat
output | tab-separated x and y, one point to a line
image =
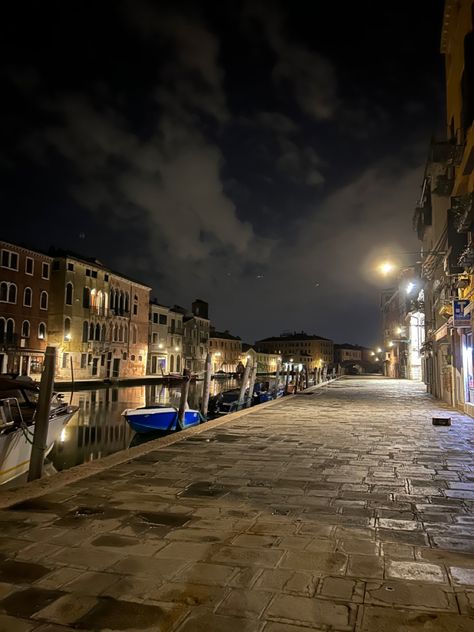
18	401
159	418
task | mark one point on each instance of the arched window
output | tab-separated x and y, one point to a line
112	299
99	302
4	292
91	331
97	332
25	329
12	293
10	330
44	300
85	331
67	329
42	331
121	303
127	302
115	333
69	294
125	334
2	329
135	305
86	298
134	334
103	333
27	297
94	299
178	364
120	333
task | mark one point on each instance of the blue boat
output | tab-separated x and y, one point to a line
162	418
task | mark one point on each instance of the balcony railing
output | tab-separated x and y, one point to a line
444	184
9	340
462	207
466	260
447	153
178	331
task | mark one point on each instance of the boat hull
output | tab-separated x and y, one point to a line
15	447
146	420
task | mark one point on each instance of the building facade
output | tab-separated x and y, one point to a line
196	330
347	353
25	277
225	349
98	320
300	348
165	351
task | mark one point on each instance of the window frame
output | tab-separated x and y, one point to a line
32	266
48	268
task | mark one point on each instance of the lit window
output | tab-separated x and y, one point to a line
42	331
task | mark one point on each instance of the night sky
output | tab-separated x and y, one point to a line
261	156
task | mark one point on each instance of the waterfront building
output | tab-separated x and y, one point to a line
225	349
444	220
303	349
165	351
347	353
98	320
25	277
196	329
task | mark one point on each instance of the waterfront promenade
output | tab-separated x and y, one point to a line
339	509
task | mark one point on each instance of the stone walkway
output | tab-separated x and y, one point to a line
344	509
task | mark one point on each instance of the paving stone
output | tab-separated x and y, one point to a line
341	588
318	563
244	603
204	573
462	575
366	566
67	609
205	621
91	583
414	571
15	624
410	595
359	547
188	594
375	619
240	556
317	612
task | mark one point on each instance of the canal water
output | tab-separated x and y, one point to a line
98	428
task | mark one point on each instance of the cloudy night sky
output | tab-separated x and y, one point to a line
261	156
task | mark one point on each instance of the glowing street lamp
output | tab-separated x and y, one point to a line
386	267
379	350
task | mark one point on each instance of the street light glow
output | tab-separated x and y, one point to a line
410	287
386	267
379	350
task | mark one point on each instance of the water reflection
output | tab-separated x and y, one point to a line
98	428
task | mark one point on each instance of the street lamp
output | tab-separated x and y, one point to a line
386	267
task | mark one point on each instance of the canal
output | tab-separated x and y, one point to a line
98	428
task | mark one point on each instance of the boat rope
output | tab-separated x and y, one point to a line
26	432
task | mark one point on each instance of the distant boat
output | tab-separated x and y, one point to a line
18	401
159	417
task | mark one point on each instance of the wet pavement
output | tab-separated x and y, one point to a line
341	510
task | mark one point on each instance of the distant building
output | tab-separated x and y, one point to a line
266	362
98	320
226	350
300	348
25	278
196	336
347	353
165	350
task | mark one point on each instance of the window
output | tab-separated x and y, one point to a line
85	331
44	300
9	260
106	277
3	292
140	359
69	294
67	329
91	331
155	338
163	319
25	329
83	360
12	293
134	335
127	302
70	267
29	265
42	331
97	332
132	357
135	305
155	318
65	360
94	274
102	333
45	270
86	298
27	297
88	272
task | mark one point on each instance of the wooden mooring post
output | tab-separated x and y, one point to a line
183	402
206	389
38	449
243	386
253	377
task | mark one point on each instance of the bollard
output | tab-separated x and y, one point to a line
277	378
243	386
306	377
184	396
206	389
40	436
287	379
253	377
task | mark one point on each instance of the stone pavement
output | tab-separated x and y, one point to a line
343	509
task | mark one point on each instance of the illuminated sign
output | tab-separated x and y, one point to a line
459	318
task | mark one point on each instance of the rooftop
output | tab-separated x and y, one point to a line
294	336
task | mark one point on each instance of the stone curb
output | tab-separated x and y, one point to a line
47	484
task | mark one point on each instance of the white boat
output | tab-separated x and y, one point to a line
18	401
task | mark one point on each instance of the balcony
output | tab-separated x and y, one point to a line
447	153
177	331
462	207
466	260
444	184
422	218
9	340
